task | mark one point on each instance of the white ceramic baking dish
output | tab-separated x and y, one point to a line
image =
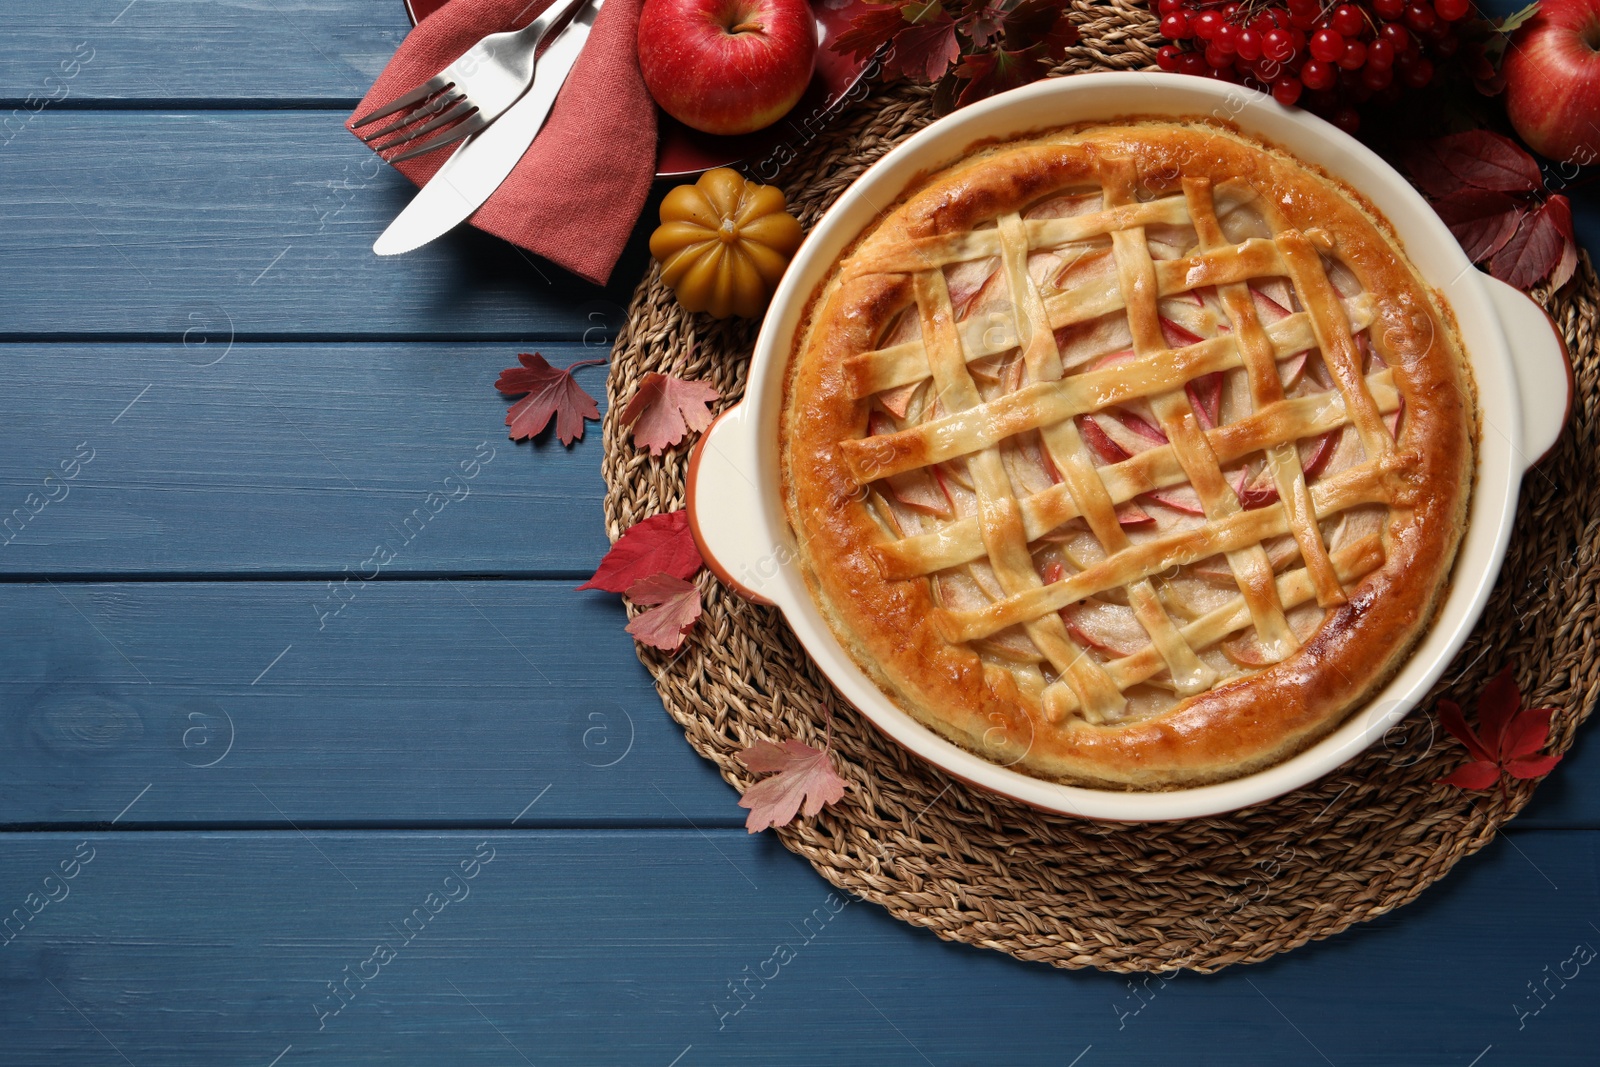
1519	362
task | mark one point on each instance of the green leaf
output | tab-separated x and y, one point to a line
1517	18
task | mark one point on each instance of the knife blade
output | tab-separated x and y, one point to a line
483	161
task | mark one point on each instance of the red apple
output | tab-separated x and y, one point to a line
1552	72
727	66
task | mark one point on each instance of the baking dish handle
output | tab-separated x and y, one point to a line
1543	368
725	507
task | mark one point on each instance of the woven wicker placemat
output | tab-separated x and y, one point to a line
979	868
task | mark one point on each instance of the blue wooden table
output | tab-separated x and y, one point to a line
256	814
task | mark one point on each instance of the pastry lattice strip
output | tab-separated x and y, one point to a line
1065	447
1136	274
1049	404
1000	517
1157	468
1044	403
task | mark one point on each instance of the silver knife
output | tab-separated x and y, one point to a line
484	160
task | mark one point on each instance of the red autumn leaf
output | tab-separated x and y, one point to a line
996	71
1526	733
1428	173
1542	247
1479	158
1042	22
661	544
1507	738
1533	767
982	22
924	50
551	393
800	774
1560	209
1455	724
1497	708
675	605
1480	774
1018	41
870	31
665	409
1482	220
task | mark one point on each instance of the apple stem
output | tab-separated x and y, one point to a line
746	27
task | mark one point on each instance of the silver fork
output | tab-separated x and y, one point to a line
471	92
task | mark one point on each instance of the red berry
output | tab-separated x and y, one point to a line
1248	45
1451	10
1355	56
1229	10
1447	47
1206	24
1327	45
1192	63
1389	9
1175	26
1420	17
1380	54
1348	21
1228	37
1419	75
1376	78
1346	118
1396	35
1167	57
1278	46
1318	75
1286	91
1167	7
1304	15
1217	58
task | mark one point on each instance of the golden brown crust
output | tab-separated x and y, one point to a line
889	626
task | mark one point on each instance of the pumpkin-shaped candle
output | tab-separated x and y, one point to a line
724	242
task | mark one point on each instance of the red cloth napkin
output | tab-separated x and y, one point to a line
577	192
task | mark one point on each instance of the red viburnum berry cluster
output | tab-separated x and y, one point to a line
1329	58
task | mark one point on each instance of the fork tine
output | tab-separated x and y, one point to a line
461	110
416	114
433	85
472	124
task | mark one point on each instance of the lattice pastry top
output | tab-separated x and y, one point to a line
1132	456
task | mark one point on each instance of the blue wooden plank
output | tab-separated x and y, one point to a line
414	703
673	947
390	703
285	459
152	223
263	221
163	50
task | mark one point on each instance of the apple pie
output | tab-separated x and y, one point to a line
1132	456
